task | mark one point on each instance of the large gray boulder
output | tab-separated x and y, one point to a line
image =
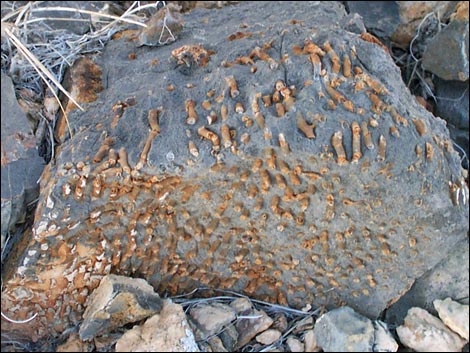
298	207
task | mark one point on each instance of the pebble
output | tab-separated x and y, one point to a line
211	318
426	333
269	336
454	315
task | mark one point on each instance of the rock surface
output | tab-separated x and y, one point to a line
292	215
454	315
269	336
167	331
449	278
451	42
21	166
412	14
383	339
380	17
117	301
212	318
423	332
344	330
257	321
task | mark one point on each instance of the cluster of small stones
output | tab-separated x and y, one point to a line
281	224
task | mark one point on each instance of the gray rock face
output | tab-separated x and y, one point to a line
21	165
451	42
116	302
380	17
344	330
281	198
449	278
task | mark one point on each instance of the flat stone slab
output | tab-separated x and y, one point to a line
334	186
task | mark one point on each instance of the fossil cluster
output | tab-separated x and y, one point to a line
306	178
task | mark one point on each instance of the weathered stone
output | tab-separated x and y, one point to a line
451	42
280	322
383	339
216	344
310	342
423	332
380	17
75	344
412	14
294	344
117	301
229	337
271	212
241	304
21	166
269	336
449	278
453	102
211	318
167	331
344	330
248	328
454	315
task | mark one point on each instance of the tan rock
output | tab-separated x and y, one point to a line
411	15
211	318
167	331
268	336
241	304
256	321
454	315
117	301
425	333
295	345
310	342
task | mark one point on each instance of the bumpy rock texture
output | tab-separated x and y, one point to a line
282	198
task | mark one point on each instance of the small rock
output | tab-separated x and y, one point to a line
280	322
211	318
383	339
248	328
454	315
167	331
451	42
117	301
310	342
426	333
216	344
75	344
453	102
229	337
241	304
295	345
344	330
269	336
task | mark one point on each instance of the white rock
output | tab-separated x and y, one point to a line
211	318
344	330
268	336
425	333
295	345
310	342
241	304
454	315
167	331
383	339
